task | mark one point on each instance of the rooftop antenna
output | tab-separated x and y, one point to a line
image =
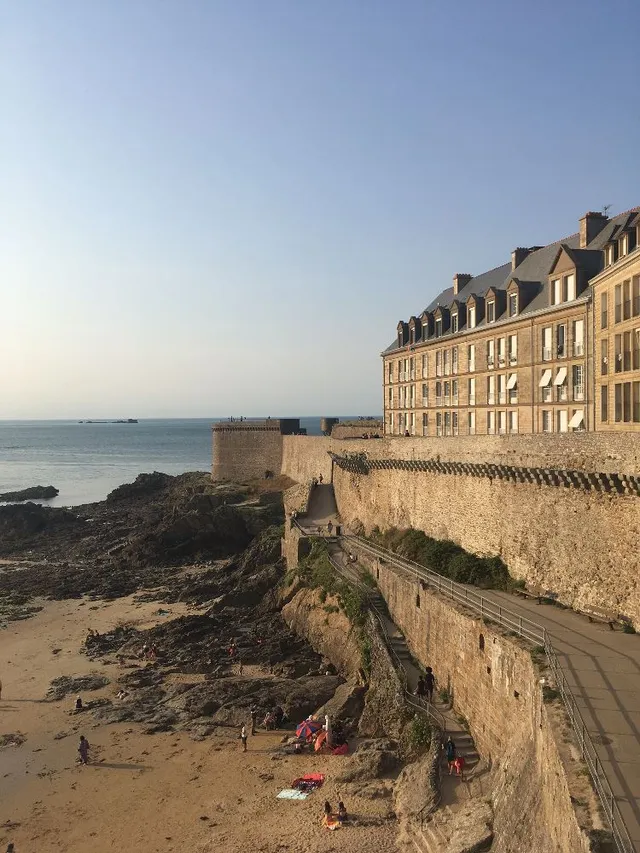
606	209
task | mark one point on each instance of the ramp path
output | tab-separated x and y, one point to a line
600	666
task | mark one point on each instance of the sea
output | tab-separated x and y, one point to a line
86	461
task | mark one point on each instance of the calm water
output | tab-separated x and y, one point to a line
86	461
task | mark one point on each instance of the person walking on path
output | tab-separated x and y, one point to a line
83	749
450	750
421	688
254	719
329	528
430	683
320	479
243	738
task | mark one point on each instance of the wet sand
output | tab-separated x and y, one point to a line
143	793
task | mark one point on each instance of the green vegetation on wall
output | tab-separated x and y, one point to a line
445	557
315	571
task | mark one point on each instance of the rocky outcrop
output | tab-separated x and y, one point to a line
33	493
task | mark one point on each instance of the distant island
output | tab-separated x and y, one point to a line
33	493
121	421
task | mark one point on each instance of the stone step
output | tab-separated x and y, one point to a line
436	840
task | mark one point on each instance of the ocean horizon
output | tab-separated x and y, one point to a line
86	461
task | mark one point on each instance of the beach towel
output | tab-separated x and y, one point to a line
291	794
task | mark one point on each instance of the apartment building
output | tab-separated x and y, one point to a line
512	350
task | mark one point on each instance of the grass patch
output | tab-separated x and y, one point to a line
446	558
420	733
444	695
549	694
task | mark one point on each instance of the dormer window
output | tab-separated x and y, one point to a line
491	312
623	246
425	331
471	314
412	335
454	322
513	304
556	291
399	339
439	327
609	255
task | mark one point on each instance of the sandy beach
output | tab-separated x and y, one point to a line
160	792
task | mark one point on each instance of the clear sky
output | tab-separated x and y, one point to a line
211	207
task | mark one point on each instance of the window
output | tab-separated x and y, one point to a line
547	423
439	328
412	335
454	392
626	351
570	287
454	360
562	421
626	299
556	291
471	390
399	339
454	322
391	398
561	340
412	368
626	402
390	371
604	356
502	388
413	397
617	361
454	422
438	423
447	393
447	423
512	387
560	383
513	349
490	353
609	256
412	428
439	363
438	393
471	316
513	304
622	246
578	337
425	395
491	390
471	357
546	343
635	292
491	423
502	423
578	382
617	316
491	312
603	310
471	423
576	423
618	402
636	402
425	330
636	349
425	366
425	423
502	347
604	403
513	422
447	362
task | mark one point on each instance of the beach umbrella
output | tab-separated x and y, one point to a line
308	728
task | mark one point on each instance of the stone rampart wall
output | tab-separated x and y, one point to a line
495	685
245	453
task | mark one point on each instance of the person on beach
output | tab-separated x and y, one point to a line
243	738
78	705
11	847
320	479
342	812
430	683
450	750
83	749
328	811
0	689
254	719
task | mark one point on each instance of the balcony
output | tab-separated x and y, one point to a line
501	360
546	353
561	351
578	392
578	348
513	397
502	397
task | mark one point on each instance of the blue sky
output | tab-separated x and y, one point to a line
225	206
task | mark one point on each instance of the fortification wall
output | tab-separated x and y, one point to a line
244	451
566	532
495	685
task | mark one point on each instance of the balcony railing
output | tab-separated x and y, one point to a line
513	358
425	402
578	348
562	393
413	374
438	401
578	392
561	351
501	360
438	430
513	396
546	353
490	361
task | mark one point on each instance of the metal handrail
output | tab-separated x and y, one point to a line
536	634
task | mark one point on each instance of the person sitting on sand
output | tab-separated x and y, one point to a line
342	812
78	705
328	811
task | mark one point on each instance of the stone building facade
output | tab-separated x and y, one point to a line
518	349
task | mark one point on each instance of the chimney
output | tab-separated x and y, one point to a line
459	281
591	225
518	255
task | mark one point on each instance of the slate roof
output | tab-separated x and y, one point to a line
534	270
